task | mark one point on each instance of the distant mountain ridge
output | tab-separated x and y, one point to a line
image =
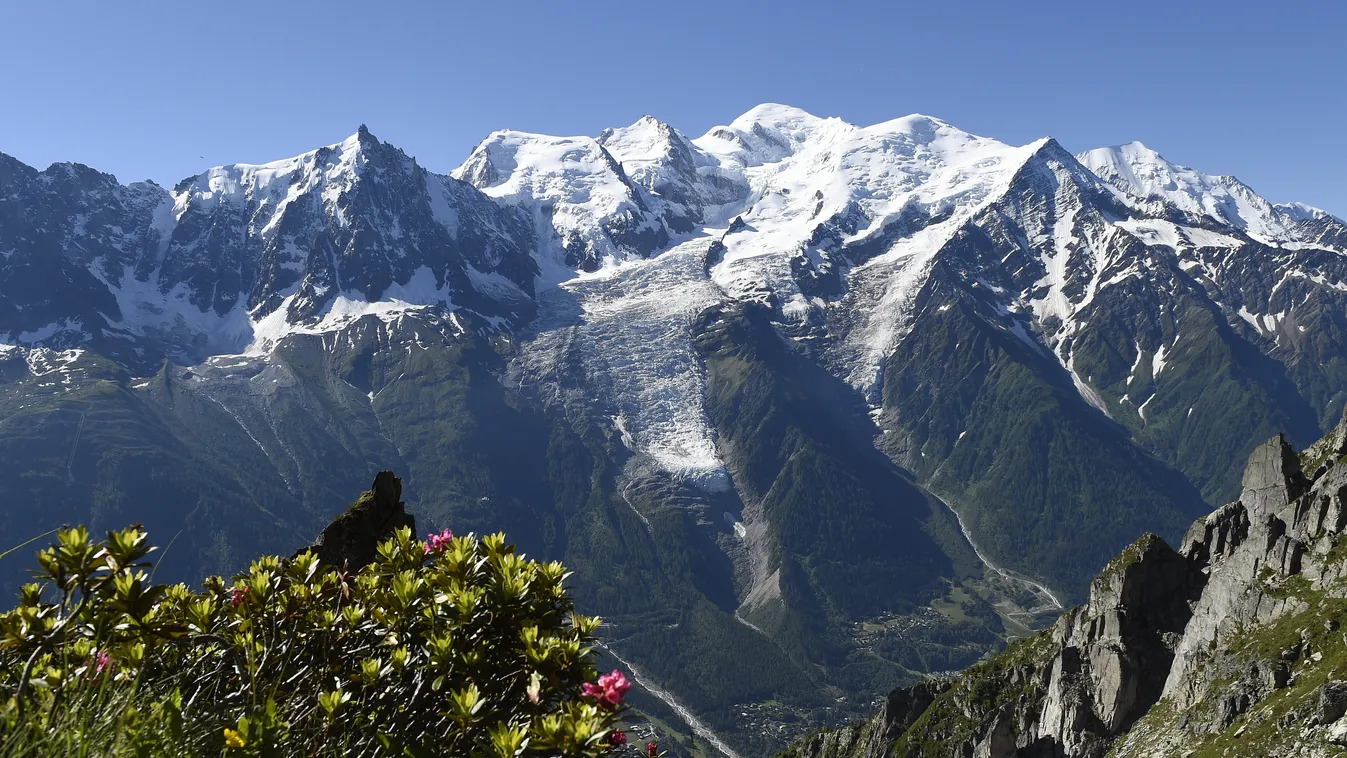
774	383
234	258
1139	170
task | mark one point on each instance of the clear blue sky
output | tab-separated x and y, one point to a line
164	90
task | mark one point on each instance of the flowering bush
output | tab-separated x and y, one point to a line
438	543
609	690
620	748
452	646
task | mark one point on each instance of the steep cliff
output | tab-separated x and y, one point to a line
1231	645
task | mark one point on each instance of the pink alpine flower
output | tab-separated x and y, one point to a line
102	662
237	594
438	543
618	738
652	749
609	690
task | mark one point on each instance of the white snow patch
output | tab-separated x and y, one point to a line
1132	372
1252	318
42	361
1141	411
1207	238
1158	360
442	205
418	293
1152	231
1086	391
1318	279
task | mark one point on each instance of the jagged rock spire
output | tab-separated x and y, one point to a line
351	540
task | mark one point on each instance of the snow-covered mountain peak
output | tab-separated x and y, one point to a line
648	143
646	129
271	186
517	166
776	115
688	186
787	123
836	167
1143	172
1303	212
586	211
1119	159
242	255
766	134
917	124
899	189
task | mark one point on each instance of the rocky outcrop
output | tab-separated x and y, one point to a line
351	540
1231	644
870	739
1114	651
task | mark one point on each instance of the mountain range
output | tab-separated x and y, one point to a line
811	409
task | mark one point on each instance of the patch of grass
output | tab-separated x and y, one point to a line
1295	638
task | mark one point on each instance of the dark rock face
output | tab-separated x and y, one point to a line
1332	702
351	540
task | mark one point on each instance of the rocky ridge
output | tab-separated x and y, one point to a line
1230	645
